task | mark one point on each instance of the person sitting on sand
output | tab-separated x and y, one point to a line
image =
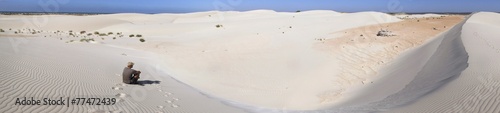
130	76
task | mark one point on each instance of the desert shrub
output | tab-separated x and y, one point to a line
86	39
218	25
15	32
131	35
384	33
89	34
114	38
110	33
138	35
297	11
1	30
96	33
103	34
142	40
82	32
70	31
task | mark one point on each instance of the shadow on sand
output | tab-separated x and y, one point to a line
147	82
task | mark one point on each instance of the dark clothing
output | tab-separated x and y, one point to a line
128	75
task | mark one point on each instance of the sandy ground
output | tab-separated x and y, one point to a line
48	68
314	61
476	89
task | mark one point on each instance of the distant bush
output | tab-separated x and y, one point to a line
89	34
138	35
218	25
142	40
15	32
297	11
114	38
82	32
86	39
110	33
96	33
103	34
131	35
1	30
384	33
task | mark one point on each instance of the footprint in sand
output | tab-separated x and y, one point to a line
161	107
165	95
176	99
121	95
120	84
174	105
119	100
168	101
160	90
116	88
168	93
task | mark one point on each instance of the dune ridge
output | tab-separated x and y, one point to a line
312	61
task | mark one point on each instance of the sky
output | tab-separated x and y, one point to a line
186	6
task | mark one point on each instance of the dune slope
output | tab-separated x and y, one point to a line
476	88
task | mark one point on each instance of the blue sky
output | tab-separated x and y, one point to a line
183	6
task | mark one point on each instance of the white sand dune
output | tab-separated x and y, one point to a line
476	89
257	61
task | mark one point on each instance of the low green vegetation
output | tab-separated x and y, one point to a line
86	39
142	40
103	34
131	35
218	26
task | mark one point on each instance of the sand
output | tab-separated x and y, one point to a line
476	89
255	61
